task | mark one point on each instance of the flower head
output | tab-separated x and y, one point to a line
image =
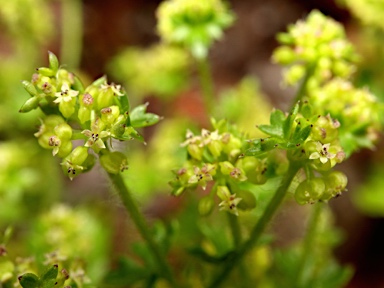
229	201
322	153
66	94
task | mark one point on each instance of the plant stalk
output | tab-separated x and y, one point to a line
142	227
302	89
259	228
308	242
206	83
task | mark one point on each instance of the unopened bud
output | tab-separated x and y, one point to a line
30	104
114	162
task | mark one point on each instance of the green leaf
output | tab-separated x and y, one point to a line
271	130
289	121
262	145
139	117
130	134
301	134
276	128
53	61
277	117
29	280
50	273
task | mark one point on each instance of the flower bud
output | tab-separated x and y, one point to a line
63	131
110	114
226	167
31	104
284	55
206	205
53	62
195	151
84	114
335	183
29	87
78	155
64	149
67	108
105	98
309	191
294	74
114	162
45	71
248	201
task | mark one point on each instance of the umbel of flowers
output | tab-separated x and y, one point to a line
97	114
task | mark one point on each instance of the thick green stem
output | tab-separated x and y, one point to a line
206	84
308	242
72	32
259	228
142	227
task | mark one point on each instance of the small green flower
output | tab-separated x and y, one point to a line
203	175
322	153
66	100
95	137
66	94
193	24
116	89
229	201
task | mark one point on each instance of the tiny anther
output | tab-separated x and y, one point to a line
298	144
311	125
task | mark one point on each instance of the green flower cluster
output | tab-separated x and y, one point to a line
193	24
27	19
368	11
317	46
357	110
101	111
320	49
310	143
164	73
214	157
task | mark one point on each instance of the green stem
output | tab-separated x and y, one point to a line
260	226
142	226
308	242
72	32
235	229
302	89
206	83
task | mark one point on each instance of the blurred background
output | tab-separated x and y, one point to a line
91	37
